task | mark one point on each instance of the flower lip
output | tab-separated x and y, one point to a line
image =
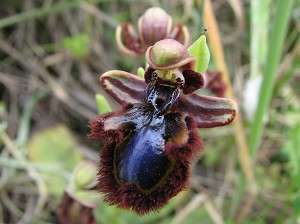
169	54
144	162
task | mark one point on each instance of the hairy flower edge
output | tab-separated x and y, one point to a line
129	195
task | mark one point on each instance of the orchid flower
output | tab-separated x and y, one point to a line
150	143
154	25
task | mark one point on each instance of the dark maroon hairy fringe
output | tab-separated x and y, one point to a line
129	196
98	134
188	151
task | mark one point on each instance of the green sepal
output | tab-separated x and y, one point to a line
200	51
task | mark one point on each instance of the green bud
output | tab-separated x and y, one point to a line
169	54
84	174
140	72
102	104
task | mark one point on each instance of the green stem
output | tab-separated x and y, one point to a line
275	47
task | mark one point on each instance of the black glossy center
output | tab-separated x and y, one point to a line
141	157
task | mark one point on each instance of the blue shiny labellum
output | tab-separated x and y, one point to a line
141	158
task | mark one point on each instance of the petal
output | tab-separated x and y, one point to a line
207	111
193	81
132	44
181	34
124	87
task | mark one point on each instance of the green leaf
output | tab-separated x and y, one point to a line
102	104
78	45
200	51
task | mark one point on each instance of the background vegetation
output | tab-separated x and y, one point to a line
51	55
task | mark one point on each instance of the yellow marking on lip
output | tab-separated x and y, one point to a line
170	75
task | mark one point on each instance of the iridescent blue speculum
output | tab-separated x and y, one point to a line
151	141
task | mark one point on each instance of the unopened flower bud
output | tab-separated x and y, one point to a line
154	25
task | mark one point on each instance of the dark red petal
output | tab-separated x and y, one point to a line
193	81
207	111
124	87
131	38
181	34
176	33
148	74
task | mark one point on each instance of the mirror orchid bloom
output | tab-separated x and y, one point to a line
154	25
150	143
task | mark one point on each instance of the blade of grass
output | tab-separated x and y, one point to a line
218	55
259	35
239	133
281	18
